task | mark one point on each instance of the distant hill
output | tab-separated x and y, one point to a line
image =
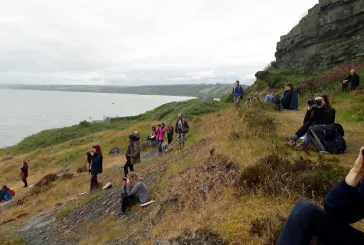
193	90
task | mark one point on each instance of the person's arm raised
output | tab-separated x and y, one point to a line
345	202
356	174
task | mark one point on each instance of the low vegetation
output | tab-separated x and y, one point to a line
234	183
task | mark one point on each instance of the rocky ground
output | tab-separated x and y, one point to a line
46	229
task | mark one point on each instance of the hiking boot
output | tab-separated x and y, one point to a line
120	215
301	147
291	142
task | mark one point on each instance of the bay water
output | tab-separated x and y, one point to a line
26	112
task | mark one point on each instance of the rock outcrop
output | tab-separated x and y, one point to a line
330	34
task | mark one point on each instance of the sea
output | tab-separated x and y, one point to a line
26	112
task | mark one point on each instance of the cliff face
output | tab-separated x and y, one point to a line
331	33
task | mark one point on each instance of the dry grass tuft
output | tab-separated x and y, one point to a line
82	169
67	176
199	237
198	184
46	180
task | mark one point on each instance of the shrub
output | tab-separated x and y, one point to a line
228	98
84	124
46	180
273	175
270	228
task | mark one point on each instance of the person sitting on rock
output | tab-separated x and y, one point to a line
132	154
134	191
344	205
6	193
287	97
319	111
152	137
353	79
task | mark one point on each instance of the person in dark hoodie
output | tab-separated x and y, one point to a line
353	79
344	205
134	191
319	111
24	173
132	154
95	159
287	96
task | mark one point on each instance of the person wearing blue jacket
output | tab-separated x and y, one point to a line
238	93
6	193
344	205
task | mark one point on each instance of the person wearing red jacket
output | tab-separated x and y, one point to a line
24	173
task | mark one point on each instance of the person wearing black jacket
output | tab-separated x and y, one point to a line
24	173
181	129
316	114
344	205
287	96
353	79
95	159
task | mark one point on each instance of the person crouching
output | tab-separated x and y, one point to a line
134	191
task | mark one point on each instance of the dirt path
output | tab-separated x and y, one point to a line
46	229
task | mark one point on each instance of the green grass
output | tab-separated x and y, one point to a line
67	157
78	134
13	241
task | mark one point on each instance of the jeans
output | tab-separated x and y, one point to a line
304	129
127	201
307	220
170	138
25	181
127	166
237	101
344	87
181	139
93	183
160	143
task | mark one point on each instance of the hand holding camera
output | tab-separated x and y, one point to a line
314	104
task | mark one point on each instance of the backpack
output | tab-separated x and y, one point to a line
294	101
328	138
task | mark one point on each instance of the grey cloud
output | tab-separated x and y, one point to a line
142	42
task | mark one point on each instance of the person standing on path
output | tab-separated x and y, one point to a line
24	173
95	166
132	154
238	93
170	132
182	128
161	131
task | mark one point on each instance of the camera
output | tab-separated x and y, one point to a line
314	103
124	178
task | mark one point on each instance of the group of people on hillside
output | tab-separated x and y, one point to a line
134	190
158	134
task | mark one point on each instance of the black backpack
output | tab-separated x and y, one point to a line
328	138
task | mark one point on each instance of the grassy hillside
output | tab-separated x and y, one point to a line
241	194
193	90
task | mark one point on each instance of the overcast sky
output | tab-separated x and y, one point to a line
137	42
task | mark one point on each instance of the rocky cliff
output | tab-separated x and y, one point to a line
330	34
